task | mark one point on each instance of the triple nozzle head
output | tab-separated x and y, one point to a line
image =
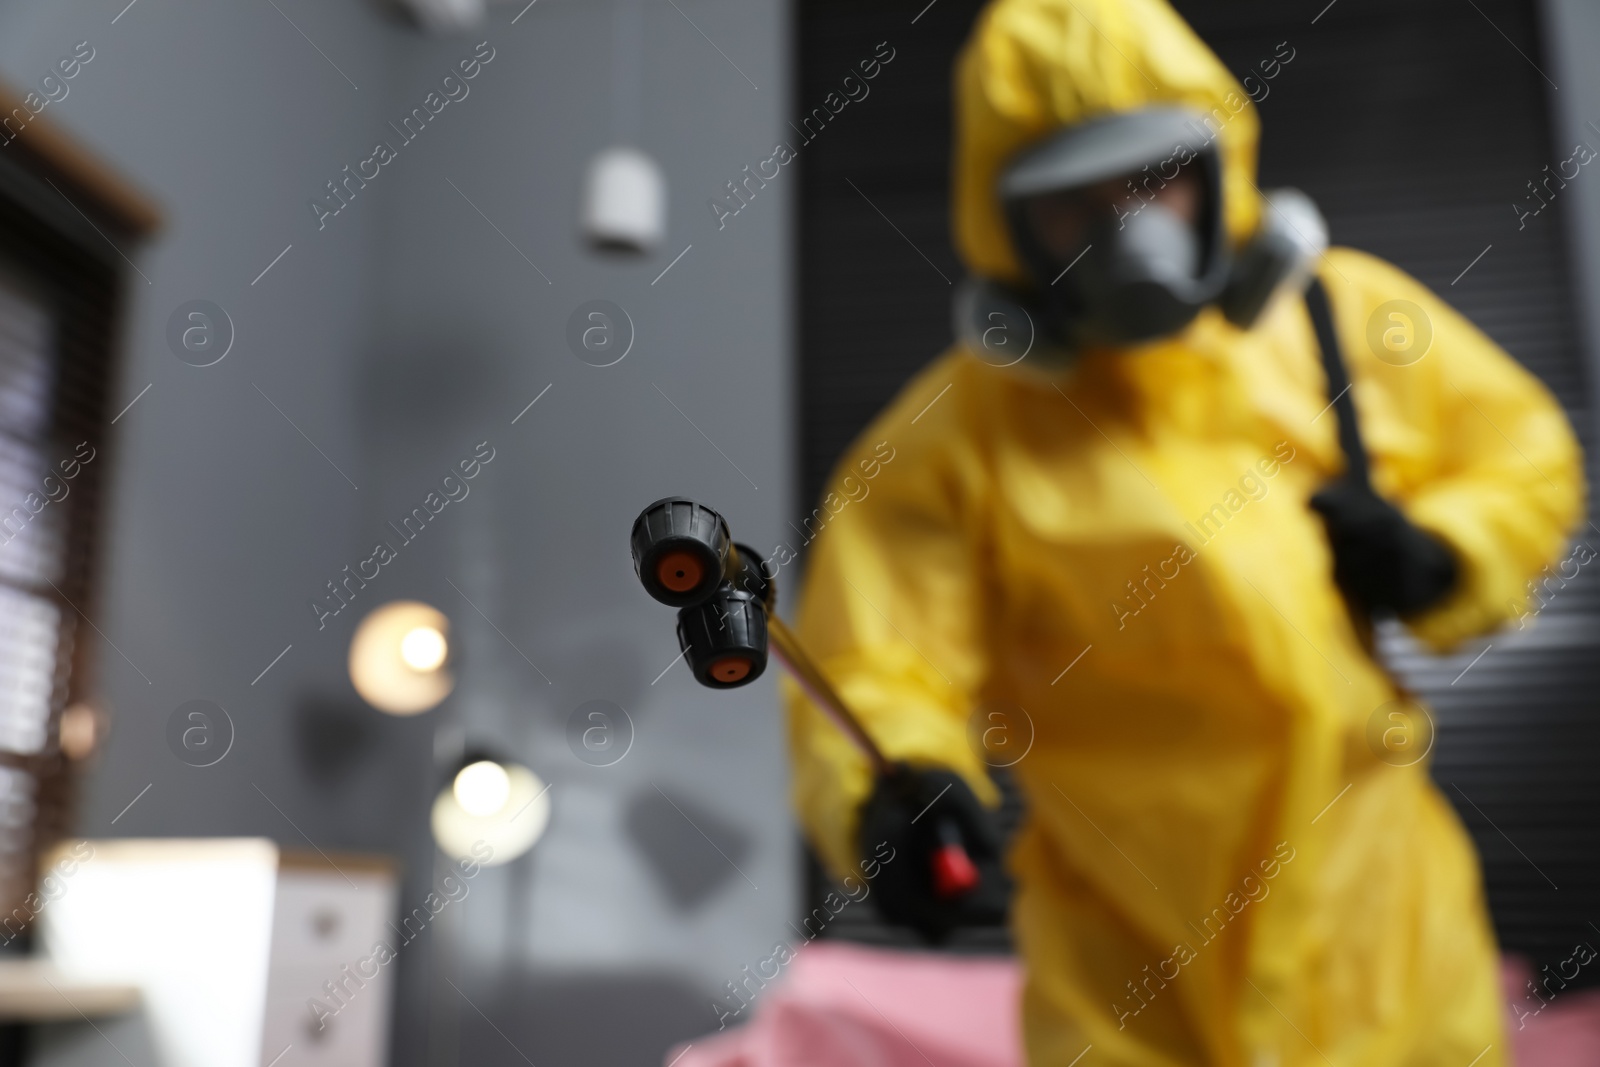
685	558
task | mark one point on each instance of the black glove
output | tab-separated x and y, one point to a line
1380	560
919	813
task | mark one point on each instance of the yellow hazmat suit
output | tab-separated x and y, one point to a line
1223	863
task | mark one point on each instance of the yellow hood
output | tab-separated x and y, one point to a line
1033	66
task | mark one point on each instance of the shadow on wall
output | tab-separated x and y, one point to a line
444	376
333	737
691	850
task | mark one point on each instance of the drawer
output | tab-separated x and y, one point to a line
356	1036
321	921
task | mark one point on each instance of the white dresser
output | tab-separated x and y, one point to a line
229	942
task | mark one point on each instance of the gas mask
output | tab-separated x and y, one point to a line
1119	224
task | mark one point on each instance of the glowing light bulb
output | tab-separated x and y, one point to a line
79	731
423	649
482	788
518	819
400	658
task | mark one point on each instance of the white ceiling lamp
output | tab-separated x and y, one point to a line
624	206
491	811
400	658
625	194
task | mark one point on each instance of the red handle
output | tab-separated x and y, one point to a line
954	873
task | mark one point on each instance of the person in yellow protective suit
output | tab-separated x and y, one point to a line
1225	862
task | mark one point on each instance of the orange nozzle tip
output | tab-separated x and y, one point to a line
679	571
731	669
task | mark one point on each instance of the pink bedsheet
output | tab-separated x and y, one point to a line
1563	1032
841	1005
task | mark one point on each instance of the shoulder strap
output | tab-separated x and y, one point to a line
1350	443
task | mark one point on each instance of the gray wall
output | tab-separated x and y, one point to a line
1570	29
396	338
